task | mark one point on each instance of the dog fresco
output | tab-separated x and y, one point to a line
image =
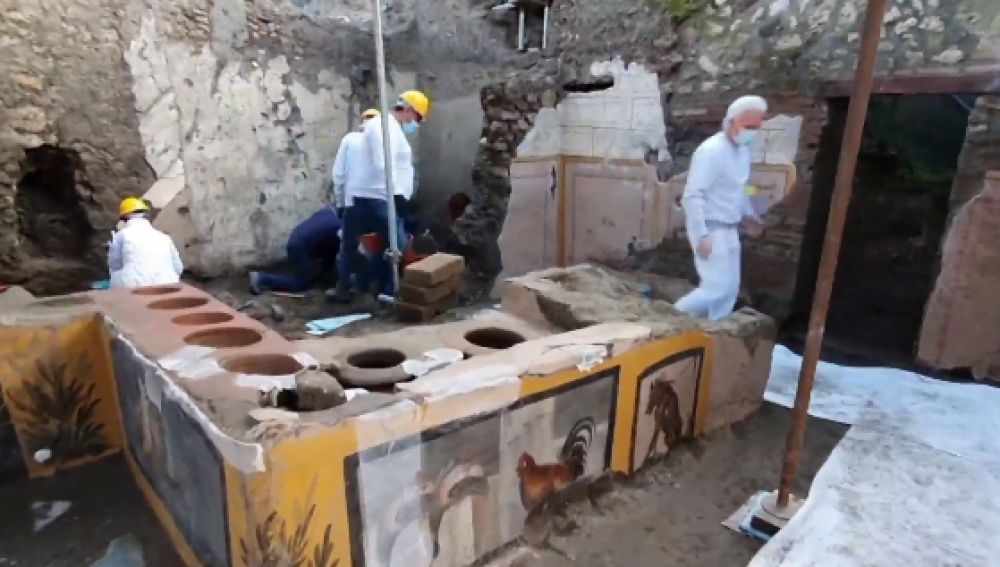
665	406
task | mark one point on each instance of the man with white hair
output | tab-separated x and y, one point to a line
715	202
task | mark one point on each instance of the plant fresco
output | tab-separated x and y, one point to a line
276	544
55	394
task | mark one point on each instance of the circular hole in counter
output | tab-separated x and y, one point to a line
494	338
376	358
156	290
225	337
175	303
263	364
202	318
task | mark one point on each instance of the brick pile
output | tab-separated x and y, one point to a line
429	287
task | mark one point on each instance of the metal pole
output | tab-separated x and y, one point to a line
849	148
392	249
545	26
520	28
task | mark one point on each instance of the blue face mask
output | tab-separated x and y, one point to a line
411	128
746	137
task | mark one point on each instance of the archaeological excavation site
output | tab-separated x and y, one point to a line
413	283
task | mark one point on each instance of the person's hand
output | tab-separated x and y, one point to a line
754	227
704	249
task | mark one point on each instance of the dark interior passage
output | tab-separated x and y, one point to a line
891	245
52	220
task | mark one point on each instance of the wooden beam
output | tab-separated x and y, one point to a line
981	82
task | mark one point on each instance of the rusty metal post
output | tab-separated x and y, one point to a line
849	148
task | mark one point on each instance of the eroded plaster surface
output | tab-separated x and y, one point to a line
624	121
250	141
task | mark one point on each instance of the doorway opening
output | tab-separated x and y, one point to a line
891	246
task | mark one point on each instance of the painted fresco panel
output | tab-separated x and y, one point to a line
58	394
174	455
666	403
549	443
453	494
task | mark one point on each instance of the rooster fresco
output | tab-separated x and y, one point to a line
539	482
664	406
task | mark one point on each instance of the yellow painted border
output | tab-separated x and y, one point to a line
310	469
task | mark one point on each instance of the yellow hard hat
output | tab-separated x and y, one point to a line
418	101
131	205
370	113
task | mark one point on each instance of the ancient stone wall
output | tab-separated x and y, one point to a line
64	109
802	44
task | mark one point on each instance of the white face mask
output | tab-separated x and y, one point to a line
746	137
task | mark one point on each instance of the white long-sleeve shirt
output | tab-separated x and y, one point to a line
348	168
371	183
140	255
716	185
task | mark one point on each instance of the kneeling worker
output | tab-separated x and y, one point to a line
140	255
312	250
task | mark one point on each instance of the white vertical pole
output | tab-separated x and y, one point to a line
392	249
545	27
520	28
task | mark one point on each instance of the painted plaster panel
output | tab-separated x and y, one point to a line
254	143
174	455
57	390
666	406
608	207
532	209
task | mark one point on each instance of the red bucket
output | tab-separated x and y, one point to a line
371	243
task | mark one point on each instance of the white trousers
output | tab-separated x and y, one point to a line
719	277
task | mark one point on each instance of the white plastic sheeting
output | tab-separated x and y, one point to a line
915	482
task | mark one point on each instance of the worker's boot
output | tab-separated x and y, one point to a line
339	295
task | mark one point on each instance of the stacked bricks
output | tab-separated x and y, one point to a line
429	287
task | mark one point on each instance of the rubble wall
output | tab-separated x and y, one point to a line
64	89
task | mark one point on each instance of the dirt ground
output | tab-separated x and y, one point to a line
105	504
669	514
294	312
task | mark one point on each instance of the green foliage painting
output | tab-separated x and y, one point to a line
275	545
58	408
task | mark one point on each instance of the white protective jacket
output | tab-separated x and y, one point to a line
371	180
141	256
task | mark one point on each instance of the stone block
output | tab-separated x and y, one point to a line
577	141
741	363
318	390
420	295
412	313
434	269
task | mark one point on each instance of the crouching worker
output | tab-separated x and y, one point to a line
312	251
140	255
